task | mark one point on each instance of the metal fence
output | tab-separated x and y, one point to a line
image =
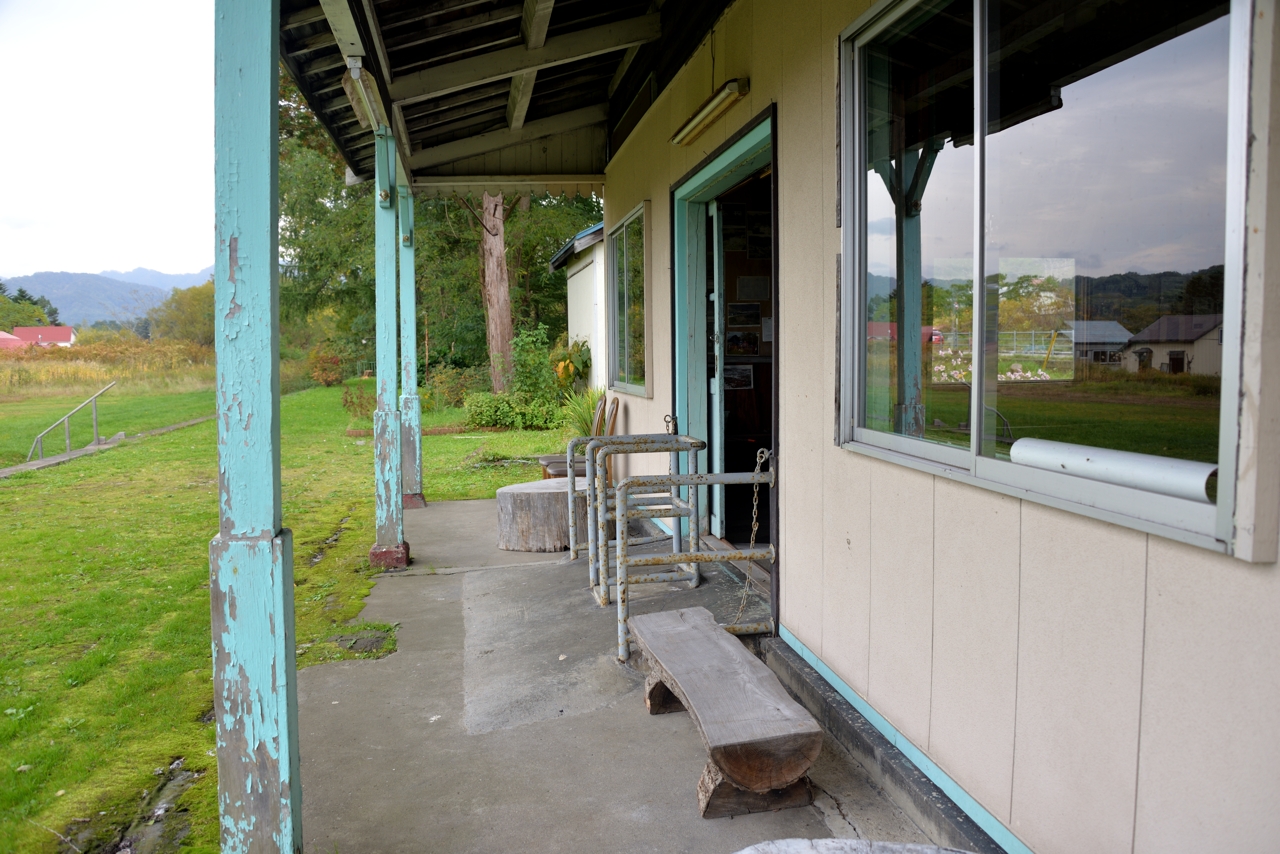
65	421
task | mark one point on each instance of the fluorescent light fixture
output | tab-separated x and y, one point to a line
712	109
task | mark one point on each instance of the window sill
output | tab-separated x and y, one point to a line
632	390
1074	495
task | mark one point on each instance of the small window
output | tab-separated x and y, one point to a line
628	310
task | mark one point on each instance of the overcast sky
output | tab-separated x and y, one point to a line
1130	175
107	139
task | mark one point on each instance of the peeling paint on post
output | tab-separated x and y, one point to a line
410	403
251	558
389	551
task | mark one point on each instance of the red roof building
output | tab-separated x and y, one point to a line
46	336
12	342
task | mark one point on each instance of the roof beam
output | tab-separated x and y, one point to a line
438	181
533	28
502	64
463	25
504	137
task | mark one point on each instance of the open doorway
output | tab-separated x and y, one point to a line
741	320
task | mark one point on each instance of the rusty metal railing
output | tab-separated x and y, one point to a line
625	511
65	421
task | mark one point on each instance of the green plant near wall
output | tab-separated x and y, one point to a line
580	411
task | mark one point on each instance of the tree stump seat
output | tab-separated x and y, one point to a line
760	742
534	516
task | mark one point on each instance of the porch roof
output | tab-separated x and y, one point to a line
511	95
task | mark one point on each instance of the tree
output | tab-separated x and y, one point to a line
14	313
499	329
187	314
47	309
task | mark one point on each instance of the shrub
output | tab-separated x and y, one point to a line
486	409
448	386
325	364
532	376
579	411
359	402
571	362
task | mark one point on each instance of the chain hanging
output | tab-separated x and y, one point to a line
761	455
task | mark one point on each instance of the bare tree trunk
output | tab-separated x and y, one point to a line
497	290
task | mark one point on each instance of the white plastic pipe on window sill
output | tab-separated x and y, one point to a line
1163	475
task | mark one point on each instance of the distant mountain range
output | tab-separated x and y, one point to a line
83	298
163	281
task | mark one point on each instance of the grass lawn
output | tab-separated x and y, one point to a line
21	419
104	608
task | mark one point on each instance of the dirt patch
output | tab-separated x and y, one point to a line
157	828
367	640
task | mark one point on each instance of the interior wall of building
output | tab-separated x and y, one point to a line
1093	687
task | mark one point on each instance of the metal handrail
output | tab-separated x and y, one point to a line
65	420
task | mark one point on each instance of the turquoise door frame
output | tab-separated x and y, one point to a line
716	390
747	155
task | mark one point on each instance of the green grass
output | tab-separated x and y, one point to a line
22	419
104	606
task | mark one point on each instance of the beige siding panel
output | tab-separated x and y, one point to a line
901	655
1079	677
800	360
975	639
1207	777
846	576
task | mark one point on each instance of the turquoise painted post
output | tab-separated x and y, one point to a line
389	551
251	558
410	402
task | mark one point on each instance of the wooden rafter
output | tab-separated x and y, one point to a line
503	64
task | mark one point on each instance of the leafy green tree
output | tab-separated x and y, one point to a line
14	313
186	314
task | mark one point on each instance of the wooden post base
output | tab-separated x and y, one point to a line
389	557
717	797
412	501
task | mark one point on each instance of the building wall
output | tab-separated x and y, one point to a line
1095	688
588	304
1204	355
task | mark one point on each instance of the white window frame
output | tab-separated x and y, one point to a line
640	210
1244	522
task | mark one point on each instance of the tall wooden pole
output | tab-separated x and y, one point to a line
410	402
497	289
251	558
390	551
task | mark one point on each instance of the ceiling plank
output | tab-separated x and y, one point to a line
504	137
313	15
442	31
499	65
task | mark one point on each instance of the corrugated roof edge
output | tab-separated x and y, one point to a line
587	237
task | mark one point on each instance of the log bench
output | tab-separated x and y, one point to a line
534	516
760	742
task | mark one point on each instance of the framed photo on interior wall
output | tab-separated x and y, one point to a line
743	344
743	314
739	377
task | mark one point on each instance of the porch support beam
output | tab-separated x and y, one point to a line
390	551
497	139
410	402
251	558
508	62
534	20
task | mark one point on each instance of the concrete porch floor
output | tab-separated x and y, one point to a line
503	723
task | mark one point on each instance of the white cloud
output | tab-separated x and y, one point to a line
107	152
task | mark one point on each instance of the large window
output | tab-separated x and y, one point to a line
627	322
1091	205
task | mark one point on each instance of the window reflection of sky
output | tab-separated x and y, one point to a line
1129	175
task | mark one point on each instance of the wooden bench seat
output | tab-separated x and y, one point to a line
760	741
